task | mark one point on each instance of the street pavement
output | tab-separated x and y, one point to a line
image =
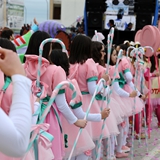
140	150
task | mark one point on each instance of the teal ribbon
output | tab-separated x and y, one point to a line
99	97
43	107
92	79
121	80
47	135
84	93
66	140
7	83
77	105
35	145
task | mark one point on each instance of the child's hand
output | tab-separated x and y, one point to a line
81	123
38	100
143	97
133	94
105	113
105	77
10	63
35	21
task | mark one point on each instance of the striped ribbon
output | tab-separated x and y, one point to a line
110	41
134	106
96	35
145	125
109	47
60	86
131	47
53	40
54	94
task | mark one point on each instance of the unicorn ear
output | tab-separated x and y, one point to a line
98	37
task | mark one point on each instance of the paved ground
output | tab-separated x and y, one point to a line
140	150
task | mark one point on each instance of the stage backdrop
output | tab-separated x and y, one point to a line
113	9
120	24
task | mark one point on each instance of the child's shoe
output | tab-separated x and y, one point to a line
125	149
121	155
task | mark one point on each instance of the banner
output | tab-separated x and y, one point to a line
15	14
120	24
1	13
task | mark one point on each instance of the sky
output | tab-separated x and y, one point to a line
35	9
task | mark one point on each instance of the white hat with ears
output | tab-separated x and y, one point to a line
98	37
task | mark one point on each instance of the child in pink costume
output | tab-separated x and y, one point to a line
140	85
6	101
52	76
60	58
98	53
84	70
153	74
121	87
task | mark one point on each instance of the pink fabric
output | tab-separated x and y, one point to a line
131	67
31	66
58	142
84	71
116	117
81	72
94	128
129	102
44	150
139	105
125	109
51	75
148	75
140	74
36	90
85	141
111	72
125	63
69	92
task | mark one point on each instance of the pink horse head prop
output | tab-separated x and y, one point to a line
148	37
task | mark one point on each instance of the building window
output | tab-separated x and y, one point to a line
56	11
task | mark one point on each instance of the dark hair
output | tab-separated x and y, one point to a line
130	24
7	33
7	44
106	56
34	44
25	28
96	52
153	64
56	45
111	21
60	58
123	46
80	49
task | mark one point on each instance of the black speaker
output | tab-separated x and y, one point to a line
96	6
142	20
95	20
144	6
